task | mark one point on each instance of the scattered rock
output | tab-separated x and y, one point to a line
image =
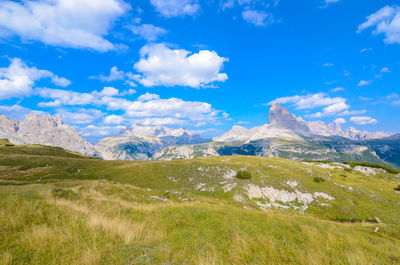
159	198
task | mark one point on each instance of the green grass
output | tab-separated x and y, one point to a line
63	209
373	165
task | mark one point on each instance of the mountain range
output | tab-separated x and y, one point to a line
284	136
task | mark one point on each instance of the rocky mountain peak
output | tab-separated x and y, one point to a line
153	131
280	117
45	130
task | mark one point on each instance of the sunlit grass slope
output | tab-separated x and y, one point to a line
57	207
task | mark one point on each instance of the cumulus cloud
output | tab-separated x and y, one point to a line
257	17
116	75
339	121
150	108
176	8
331	105
162	66
113	119
385	70
147	31
385	21
148	96
80	116
96	132
364	83
363	120
18	79
74	23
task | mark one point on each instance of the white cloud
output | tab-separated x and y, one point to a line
352	112
173	110
331	105
17	112
257	17
366	50
328	64
337	89
363	120
328	2
67	23
385	21
147	31
162	66
385	70
109	91
113	119
100	131
339	121
148	96
176	8
114	75
117	75
18	79
364	83
80	116
65	97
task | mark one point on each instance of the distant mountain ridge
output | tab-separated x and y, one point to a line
142	142
45	130
283	124
284	136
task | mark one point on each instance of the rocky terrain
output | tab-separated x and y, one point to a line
285	136
59	207
44	130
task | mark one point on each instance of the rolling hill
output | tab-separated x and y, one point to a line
58	207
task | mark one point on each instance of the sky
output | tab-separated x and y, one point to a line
205	65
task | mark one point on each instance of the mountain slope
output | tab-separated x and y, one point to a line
60	210
142	142
44	130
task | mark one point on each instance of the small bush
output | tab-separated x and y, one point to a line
243	174
353	220
65	194
343	175
10	144
347	169
397	188
318	179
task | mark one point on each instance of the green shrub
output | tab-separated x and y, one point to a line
66	194
343	175
318	179
243	174
353	220
373	165
10	144
397	188
347	169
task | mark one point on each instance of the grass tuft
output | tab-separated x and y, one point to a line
243	174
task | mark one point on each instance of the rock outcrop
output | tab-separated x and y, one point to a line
44	130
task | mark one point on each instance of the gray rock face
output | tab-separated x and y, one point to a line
45	130
142	142
281	118
285	125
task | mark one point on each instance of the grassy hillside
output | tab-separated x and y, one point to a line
57	207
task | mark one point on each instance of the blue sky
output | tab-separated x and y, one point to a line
204	65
